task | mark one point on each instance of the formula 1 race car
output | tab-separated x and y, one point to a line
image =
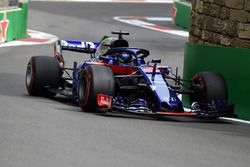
117	79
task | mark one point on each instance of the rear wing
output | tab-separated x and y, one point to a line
76	46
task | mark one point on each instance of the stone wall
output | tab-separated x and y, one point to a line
220	22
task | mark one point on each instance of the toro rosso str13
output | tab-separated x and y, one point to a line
117	78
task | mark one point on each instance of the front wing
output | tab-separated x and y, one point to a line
105	103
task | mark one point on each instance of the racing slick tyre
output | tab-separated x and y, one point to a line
94	80
208	86
42	72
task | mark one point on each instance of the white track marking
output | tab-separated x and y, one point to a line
142	22
114	1
35	38
10	10
139	22
158	18
236	120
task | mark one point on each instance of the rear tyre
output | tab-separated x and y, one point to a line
94	80
42	72
208	86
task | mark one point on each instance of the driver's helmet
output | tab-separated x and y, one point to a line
104	46
125	58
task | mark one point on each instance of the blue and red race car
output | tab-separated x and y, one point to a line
117	78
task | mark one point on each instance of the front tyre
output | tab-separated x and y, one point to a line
94	80
42	72
208	86
210	97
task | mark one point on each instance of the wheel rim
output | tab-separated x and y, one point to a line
201	93
201	81
29	74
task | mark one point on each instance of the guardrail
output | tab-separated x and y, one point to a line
13	21
181	13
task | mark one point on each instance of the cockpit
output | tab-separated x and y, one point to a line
109	43
125	56
114	50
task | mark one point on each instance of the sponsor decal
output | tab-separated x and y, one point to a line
4	24
104	100
79	44
174	11
153	87
172	99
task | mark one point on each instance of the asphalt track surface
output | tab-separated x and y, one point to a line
40	132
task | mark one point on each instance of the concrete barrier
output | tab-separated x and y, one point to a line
233	63
13	23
